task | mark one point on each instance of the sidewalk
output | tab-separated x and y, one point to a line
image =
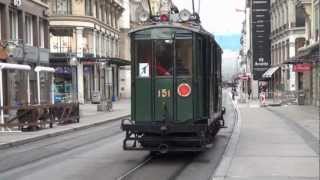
273	143
88	117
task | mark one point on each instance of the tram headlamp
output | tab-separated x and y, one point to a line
154	7
168	41
165	6
184	15
143	16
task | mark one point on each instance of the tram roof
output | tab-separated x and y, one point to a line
196	29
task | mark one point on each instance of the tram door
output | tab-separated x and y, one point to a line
157	84
163	80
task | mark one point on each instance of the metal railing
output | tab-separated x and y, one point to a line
285	97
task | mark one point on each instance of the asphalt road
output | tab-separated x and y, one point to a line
96	153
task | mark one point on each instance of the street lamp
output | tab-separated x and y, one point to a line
73	62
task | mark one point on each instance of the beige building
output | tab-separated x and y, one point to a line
84	43
309	80
287	36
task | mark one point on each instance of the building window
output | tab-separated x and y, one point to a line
97	44
102	14
88	6
29	30
61	7
108	16
300	16
13	18
41	31
62	41
316	22
97	10
111	47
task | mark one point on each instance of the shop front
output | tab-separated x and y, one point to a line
306	66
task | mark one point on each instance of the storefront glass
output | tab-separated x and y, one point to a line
63	84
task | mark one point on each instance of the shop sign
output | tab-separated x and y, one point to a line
244	77
17	3
301	67
261	49
88	62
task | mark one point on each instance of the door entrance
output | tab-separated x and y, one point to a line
163	84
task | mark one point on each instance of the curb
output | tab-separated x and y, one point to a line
59	133
223	167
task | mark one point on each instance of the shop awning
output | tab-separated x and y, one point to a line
15	66
270	72
309	54
120	62
309	50
44	68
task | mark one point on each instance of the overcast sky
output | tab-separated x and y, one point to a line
217	16
220	18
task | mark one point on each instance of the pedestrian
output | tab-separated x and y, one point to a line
249	93
233	91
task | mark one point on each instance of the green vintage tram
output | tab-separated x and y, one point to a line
176	88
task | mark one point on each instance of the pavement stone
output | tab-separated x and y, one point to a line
306	116
269	148
89	117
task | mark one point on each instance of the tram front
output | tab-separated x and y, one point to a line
163	91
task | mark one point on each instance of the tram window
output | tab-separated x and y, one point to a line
144	58
183	57
164	58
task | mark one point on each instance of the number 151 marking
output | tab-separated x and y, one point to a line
164	93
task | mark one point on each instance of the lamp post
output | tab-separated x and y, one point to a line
73	64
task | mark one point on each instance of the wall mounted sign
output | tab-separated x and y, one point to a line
261	49
302	67
144	70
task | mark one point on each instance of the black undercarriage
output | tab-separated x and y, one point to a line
163	137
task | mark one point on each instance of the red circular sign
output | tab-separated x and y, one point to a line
184	90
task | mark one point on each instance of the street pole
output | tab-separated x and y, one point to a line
38	85
28	87
1	101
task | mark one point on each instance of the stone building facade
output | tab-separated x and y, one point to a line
309	55
287	36
24	40
84	43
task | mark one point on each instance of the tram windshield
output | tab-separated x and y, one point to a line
164	57
183	57
144	58
158	55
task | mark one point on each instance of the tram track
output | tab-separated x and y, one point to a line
26	154
131	171
157	161
180	162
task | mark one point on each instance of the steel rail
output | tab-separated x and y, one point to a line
62	150
134	169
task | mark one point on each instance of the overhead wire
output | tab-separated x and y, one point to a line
199	5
